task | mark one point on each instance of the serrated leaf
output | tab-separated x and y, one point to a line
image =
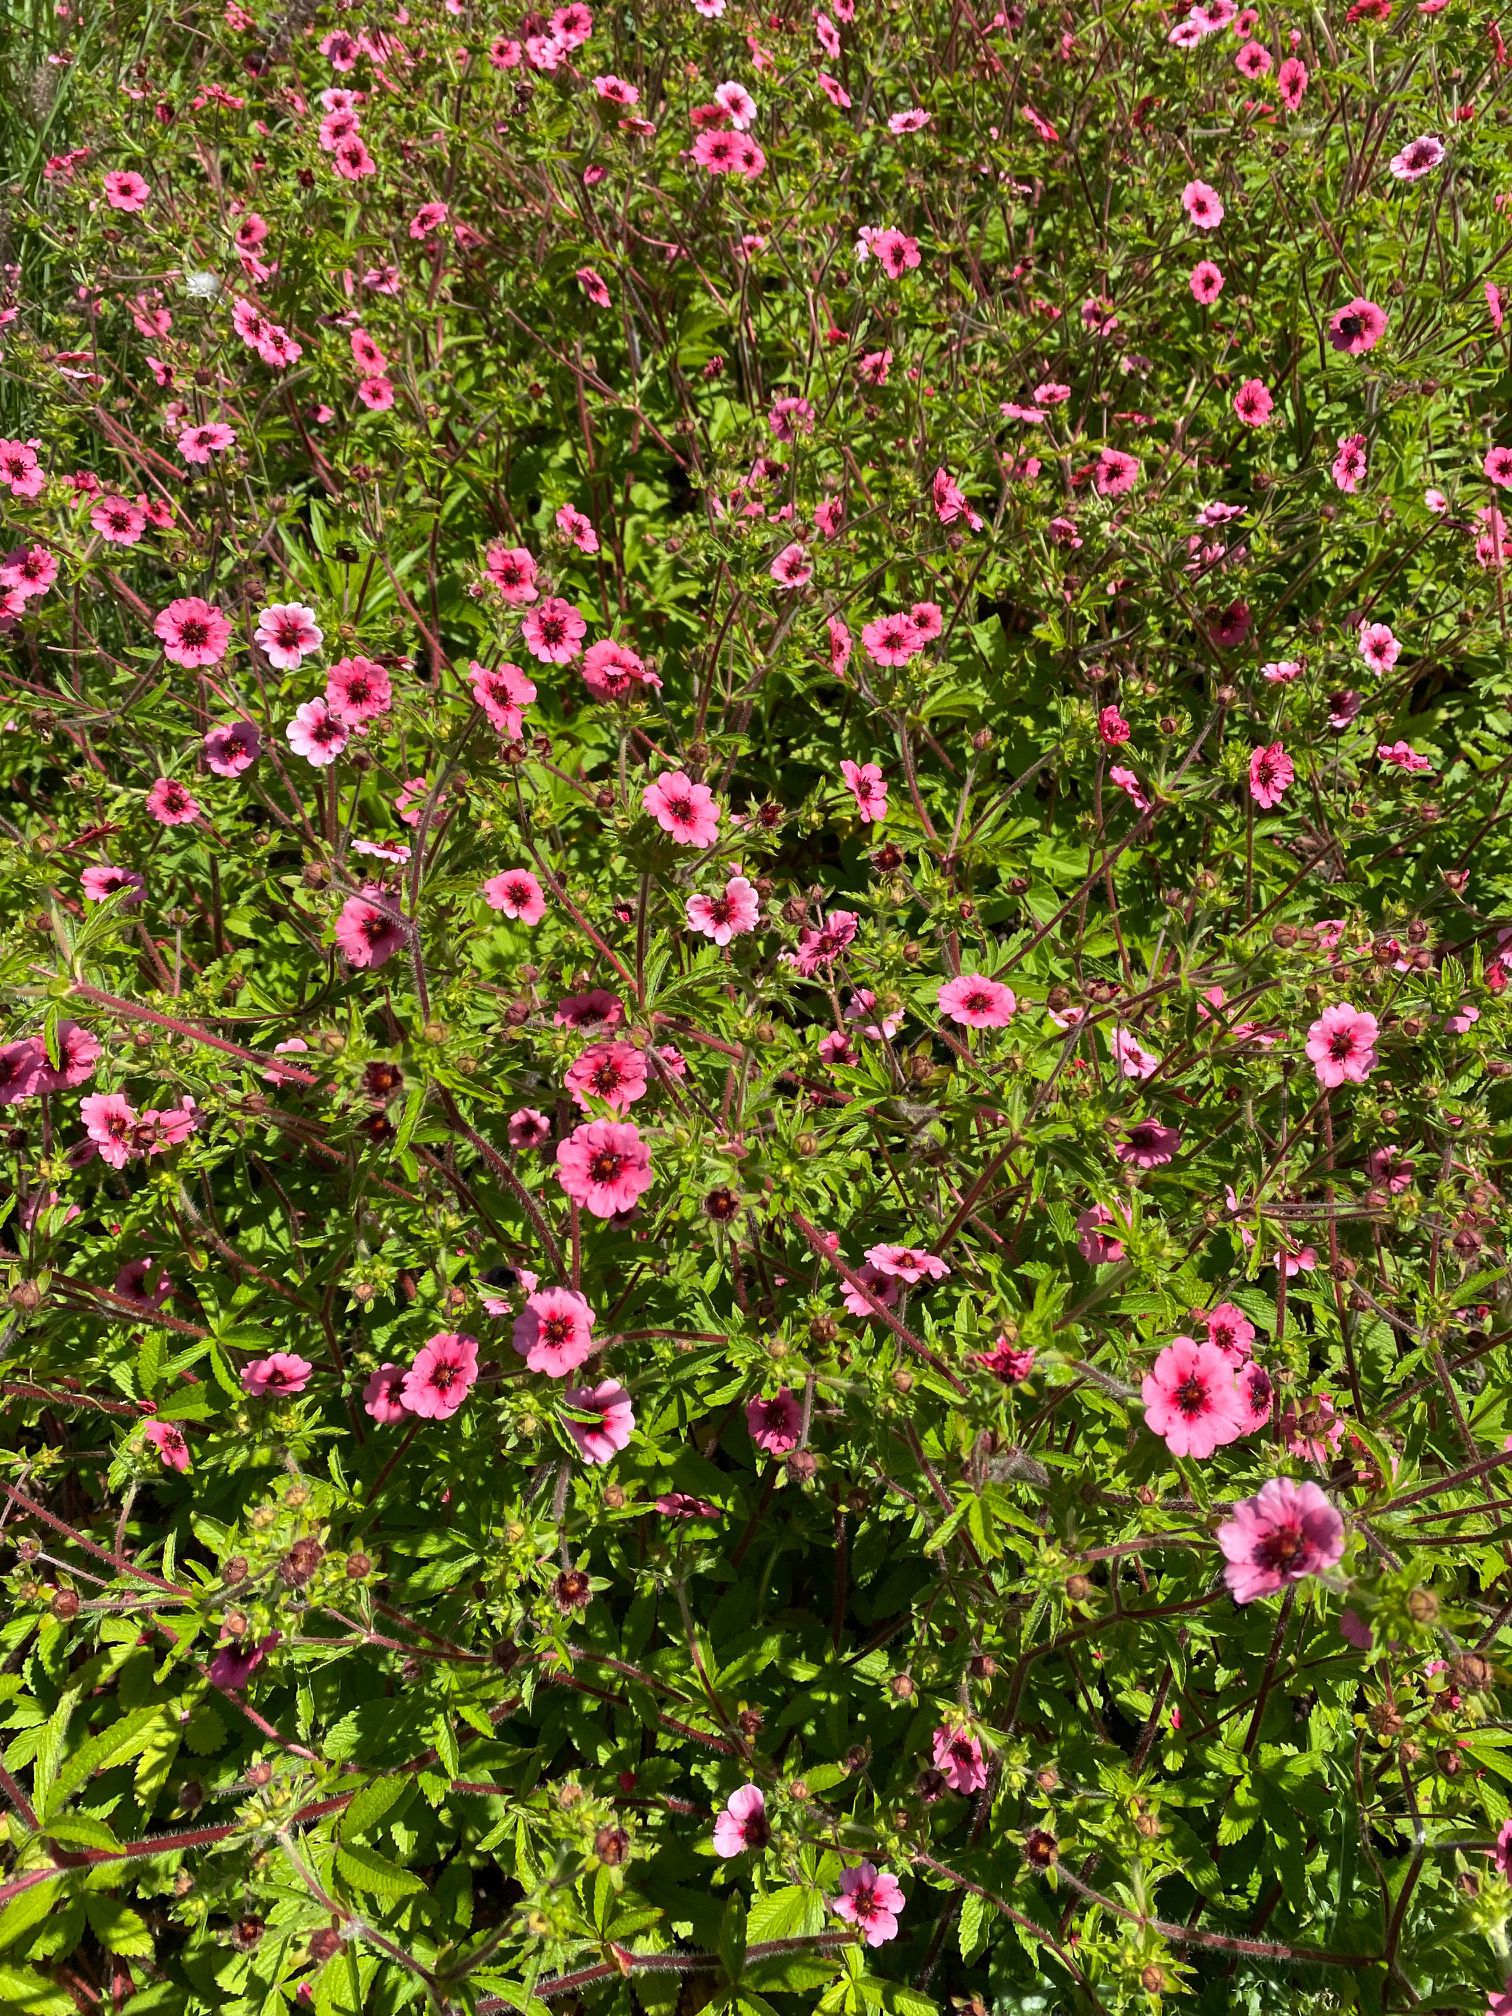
370	1805
23	1993
118	1928
373	1875
793	1912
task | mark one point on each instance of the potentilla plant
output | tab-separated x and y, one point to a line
758	910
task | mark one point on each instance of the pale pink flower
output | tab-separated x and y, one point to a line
287	634
316	734
743	1823
110	1122
1149	1145
528	1128
1341	1045
726	916
868	787
1131	1057
871	1900
907	1263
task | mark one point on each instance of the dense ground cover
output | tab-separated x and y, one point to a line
755	784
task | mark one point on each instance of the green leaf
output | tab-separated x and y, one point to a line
118	1928
23	1993
370	1805
27	1909
971	1928
373	1875
732	1936
793	1912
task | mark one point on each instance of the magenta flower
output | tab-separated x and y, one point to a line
1270	771
596	1010
605	1166
1287	1530
172	803
193	632
1498	467
1418	158
383	1395
234	1664
743	1823
682	808
614	1072
958	1754
892	640
869	1899
978	1003
517	893
442	1375
792	568
1253	402
726	916
365	935
610	1419
775	1423
1010	1362
1190	1399
20	1067
168	1439
528	1128
282	1372
1351	464
118	522
1206	282
126	190
1341	1045
554	1331
232	748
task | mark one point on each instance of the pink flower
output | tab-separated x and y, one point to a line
232	748
579	529
1092	1242
503	692
611	670
171	804
775	1424
907	1263
892	640
605	1166
1291	83
282	1372
959	1755
105	877
1131	1057
168	1439
1112	728
614	1072
1418	158
365	935
126	190
554	633
383	1395
1116	472
1287	1530
234	1664
554	1331
517	893
978	1003
193	632
1203	206
442	1375
611	1418
682	808
1501	1854
598	1009
118	522
1357	327
1009	1361
512	570
78	1053
1402	756
869	789
1230	1331
20	472
528	1128
1149	1145
31	572
881	1287
198	444
792	568
1270	771
1253	402
1190	1399
1498	467
1206	282
1379	647
1341	1045
1130	785
743	1823
870	1899
20	1066
1351	464
726	916
316	734
358	690
109	1121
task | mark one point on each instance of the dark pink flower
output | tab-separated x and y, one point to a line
1357	327
383	1395
775	1423
172	803
554	1331
168	1439
867	786
234	1664
958	1754
281	1372
1230	1331
232	748
682	808
517	893
554	633
1148	1145
614	1072
357	690
978	1003
193	632
1270	771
